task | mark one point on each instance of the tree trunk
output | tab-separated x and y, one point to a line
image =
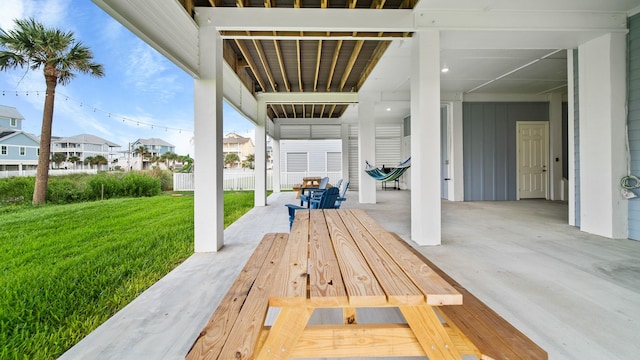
42	172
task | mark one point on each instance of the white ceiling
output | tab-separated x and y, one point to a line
491	62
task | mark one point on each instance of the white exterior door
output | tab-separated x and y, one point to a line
533	158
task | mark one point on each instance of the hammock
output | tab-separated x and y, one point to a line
382	175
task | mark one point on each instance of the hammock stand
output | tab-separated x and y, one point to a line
385	175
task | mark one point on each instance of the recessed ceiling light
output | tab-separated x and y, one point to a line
388	109
445	69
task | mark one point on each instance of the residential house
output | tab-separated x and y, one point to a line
239	145
155	148
83	146
18	150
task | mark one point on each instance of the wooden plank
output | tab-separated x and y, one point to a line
244	334
362	286
326	288
430	332
495	337
214	334
289	285
284	334
436	289
399	288
365	341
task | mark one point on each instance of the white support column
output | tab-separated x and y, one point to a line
456	166
261	156
602	92
425	138
555	146
366	147
208	201
571	158
344	134
275	156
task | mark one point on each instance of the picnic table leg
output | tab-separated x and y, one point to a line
430	332
285	332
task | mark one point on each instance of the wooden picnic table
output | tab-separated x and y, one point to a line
344	259
312	182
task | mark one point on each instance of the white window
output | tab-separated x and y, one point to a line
334	161
13	122
297	162
23	151
4	150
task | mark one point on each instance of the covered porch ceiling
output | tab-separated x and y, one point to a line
495	47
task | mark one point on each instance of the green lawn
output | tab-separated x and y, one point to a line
65	269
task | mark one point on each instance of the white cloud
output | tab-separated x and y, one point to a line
11	10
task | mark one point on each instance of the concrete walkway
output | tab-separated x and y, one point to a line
576	295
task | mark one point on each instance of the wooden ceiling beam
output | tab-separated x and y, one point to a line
350	63
318	59
265	65
252	64
283	71
334	62
375	57
299	56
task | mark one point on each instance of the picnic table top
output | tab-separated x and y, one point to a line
351	260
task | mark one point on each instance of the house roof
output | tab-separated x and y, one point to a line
9	133
152	141
10	112
85	139
233	138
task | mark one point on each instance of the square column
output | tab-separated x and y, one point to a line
208	194
275	154
260	169
366	147
602	98
555	146
456	160
425	138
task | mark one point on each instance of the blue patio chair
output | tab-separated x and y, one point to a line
343	195
308	193
326	201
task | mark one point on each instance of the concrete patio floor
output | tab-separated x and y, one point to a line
577	295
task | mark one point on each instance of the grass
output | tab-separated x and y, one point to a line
66	269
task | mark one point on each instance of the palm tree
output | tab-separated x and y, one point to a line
99	160
32	45
88	161
231	158
249	162
58	158
74	160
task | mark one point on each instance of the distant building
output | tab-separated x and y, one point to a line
18	149
81	147
155	148
233	143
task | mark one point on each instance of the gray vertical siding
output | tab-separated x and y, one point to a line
633	120
489	140
576	135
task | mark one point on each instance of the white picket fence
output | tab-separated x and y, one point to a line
245	180
52	172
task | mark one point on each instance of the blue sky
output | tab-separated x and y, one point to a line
142	95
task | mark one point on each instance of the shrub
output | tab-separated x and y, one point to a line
16	190
166	178
65	191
